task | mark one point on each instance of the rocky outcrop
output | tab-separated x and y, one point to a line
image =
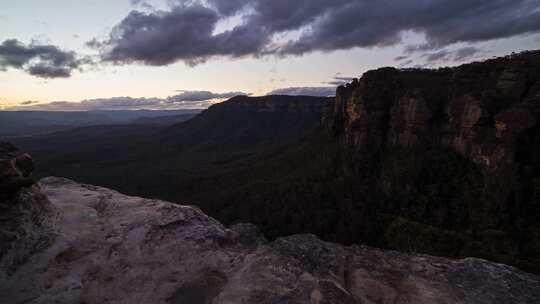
113	248
25	214
450	155
15	170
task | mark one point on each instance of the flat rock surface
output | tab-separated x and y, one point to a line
113	248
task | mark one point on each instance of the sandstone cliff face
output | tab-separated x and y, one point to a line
112	248
76	243
453	151
478	109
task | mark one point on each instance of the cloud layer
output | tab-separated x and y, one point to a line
194	31
305	91
40	60
184	100
186	95
340	80
187	31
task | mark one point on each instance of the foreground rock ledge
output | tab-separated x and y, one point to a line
113	248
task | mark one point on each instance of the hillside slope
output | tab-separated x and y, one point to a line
151	160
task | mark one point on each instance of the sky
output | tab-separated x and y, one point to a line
161	54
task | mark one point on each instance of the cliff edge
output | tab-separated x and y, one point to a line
105	247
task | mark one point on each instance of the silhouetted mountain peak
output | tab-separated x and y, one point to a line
275	103
244	121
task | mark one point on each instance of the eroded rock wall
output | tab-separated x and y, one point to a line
450	153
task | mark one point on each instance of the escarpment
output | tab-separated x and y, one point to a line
450	155
277	104
247	123
264	117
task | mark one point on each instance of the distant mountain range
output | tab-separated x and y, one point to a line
25	123
154	160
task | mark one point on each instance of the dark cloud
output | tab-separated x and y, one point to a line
380	23
466	53
184	100
143	4
49	71
29	102
186	32
94	44
115	103
229	7
120	102
284	15
400	58
442	54
305	91
139	2
45	61
339	80
201	95
406	63
446	55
